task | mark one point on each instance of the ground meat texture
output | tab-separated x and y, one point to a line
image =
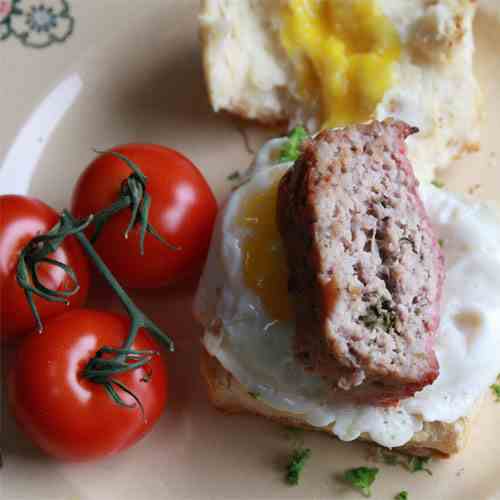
366	270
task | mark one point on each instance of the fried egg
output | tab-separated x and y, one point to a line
243	304
329	63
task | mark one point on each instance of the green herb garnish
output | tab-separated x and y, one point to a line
381	315
296	463
496	390
291	149
437	183
417	464
362	478
255	395
402	495
410	463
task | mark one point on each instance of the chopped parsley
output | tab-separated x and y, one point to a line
410	463
496	389
362	478
417	464
402	495
437	183
291	149
296	463
381	315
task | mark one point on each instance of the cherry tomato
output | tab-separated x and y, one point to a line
21	219
183	212
68	416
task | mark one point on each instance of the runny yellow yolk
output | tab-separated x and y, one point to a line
343	52
265	269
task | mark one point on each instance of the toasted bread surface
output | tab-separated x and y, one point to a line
248	73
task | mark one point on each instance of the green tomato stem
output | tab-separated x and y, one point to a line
37	252
138	318
108	362
104	370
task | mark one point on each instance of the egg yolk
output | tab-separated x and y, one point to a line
265	268
343	52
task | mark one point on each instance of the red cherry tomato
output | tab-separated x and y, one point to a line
68	416
21	219
183	212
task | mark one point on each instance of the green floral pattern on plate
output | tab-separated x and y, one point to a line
36	23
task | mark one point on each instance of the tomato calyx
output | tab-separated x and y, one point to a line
133	195
37	252
102	368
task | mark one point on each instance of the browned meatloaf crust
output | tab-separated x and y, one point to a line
366	270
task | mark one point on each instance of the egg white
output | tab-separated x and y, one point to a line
257	350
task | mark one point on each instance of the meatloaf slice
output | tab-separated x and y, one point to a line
366	270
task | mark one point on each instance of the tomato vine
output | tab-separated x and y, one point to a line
107	362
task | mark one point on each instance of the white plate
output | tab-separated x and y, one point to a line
131	71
